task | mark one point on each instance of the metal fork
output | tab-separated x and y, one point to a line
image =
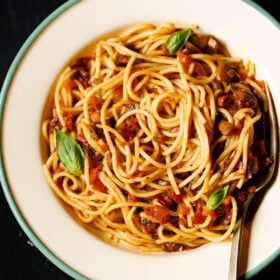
261	182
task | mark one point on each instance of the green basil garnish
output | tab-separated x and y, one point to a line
69	153
177	40
216	198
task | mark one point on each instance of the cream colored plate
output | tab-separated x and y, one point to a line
247	33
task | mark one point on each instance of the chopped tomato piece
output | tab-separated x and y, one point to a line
199	218
68	84
158	212
135	82
176	197
93	174
164	199
119	91
160	140
127	133
132	198
184	56
122	144
105	147
122	60
94	179
68	118
213	215
96	102
156	91
183	209
134	123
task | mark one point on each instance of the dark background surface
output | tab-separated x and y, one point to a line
19	258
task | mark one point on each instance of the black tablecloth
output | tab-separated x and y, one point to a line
19	259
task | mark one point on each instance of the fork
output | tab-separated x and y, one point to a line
261	182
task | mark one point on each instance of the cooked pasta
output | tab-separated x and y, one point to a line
152	137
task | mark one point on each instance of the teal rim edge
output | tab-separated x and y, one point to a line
7	193
254	271
4	90
263	12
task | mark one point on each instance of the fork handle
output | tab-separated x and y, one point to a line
237	242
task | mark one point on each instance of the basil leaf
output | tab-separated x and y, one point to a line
177	40
216	198
69	153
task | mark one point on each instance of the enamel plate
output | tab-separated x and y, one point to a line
246	31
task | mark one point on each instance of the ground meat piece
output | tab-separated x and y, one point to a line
252	166
82	74
148	226
191	48
173	247
227	72
122	60
244	99
199	40
224	100
158	212
223	214
205	42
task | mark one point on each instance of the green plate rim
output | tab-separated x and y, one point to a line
6	190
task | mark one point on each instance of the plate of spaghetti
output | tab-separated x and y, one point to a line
143	138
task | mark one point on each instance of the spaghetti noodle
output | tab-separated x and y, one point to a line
163	141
